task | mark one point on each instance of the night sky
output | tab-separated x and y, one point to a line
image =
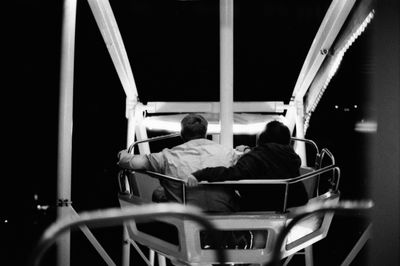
173	50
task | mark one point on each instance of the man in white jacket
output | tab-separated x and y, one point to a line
197	152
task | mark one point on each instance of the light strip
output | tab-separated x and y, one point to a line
336	63
152	123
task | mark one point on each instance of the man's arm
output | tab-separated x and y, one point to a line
134	162
221	173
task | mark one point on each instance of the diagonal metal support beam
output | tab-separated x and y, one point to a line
332	23
92	239
107	24
358	246
361	18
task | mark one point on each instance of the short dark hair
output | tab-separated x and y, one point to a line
276	132
193	126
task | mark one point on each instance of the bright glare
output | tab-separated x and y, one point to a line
366	126
304	228
171	125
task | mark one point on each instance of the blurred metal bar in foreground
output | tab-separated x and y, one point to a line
116	216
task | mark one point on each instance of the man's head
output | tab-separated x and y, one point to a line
275	132
193	126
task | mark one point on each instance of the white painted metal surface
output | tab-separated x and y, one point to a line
226	72
107	24
64	163
332	23
214	107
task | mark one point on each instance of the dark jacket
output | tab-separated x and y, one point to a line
267	161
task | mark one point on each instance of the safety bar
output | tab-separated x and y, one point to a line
334	183
320	159
312	143
342	207
173	135
170	178
286	182
328	153
115	216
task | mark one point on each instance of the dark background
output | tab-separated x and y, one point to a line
173	50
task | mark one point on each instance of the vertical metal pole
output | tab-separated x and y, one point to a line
65	125
126	246
300	145
226	72
309	257
140	130
130	113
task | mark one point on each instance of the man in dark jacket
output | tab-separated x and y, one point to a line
272	158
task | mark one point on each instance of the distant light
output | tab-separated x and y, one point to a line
336	106
366	126
355	106
5	221
42	207
35	197
346	109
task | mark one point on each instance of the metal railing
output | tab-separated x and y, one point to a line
342	207
173	135
334	182
116	216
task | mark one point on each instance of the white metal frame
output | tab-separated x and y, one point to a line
333	21
65	125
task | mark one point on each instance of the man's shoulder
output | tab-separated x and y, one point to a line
201	143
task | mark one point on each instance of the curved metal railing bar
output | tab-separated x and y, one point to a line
320	159
115	216
307	141
343	207
286	182
173	135
279	181
251	181
324	152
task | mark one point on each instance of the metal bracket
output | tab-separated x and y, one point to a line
64	203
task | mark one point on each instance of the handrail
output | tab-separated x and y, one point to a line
276	181
286	182
327	152
115	216
307	141
157	175
171	178
319	160
251	181
300	213
173	135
